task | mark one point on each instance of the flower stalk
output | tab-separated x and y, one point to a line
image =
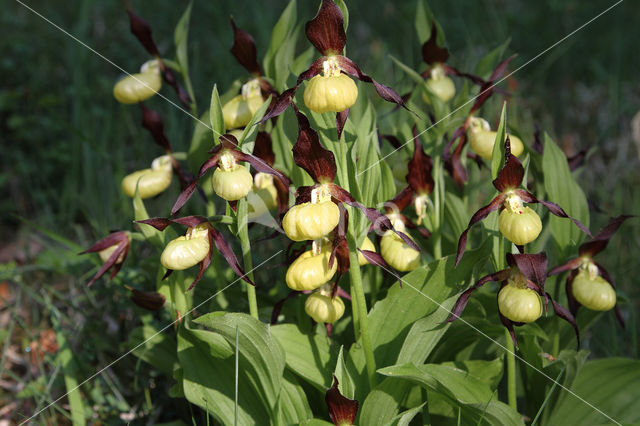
511	371
247	261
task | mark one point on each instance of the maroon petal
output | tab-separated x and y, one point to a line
341	119
280	105
261	166
189	189
569	266
532	266
244	50
303	194
424	232
486	90
385	92
339	237
342	256
472	77
159	223
600	241
509	325
111	262
141	29
563	313
108	241
431	52
282	193
555	209
226	251
152	121
400	201
263	148
309	154
342	410
511	175
574	305
190	221
454	164
481	214
462	301
376	259
170	78
419	176
326	30
148	300
577	160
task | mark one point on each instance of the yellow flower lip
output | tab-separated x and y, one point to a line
309	271
440	84
518	303
518	224
240	109
139	87
332	91
593	292
188	250
397	253
232	183
150	182
322	307
312	220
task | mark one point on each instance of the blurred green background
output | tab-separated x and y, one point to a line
66	143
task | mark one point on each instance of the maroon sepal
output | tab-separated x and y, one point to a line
280	104
462	301
326	30
260	165
563	313
424	232
303	194
341	119
481	214
277	308
342	410
141	29
431	52
121	238
385	92
161	223
226	251
419	176
341	253
555	209
512	173
339	236
472	77
152	121
454	165
509	325
263	148
188	190
170	78
486	90
148	300
167	274
309	154
376	259
569	266
600	241
400	201
244	50
532	266
282	192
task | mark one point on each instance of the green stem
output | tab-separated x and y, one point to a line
511	371
358	292
243	234
438	204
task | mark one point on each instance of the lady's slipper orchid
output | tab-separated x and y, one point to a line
342	410
517	223
482	139
113	250
522	286
196	247
588	283
231	180
312	268
331	91
324	307
150	182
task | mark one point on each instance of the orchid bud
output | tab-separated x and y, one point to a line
310	221
239	110
593	292
231	181
440	84
150	182
397	253
482	139
139	87
187	250
517	223
518	303
310	270
322	307
330	92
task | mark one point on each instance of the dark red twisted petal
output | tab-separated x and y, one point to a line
481	214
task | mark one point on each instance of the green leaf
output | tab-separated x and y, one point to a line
180	36
308	356
609	386
382	404
460	389
215	115
201	142
345	13
488	372
292	406
497	158
281	50
404	418
208	371
71	372
156	349
563	189
345	382
456	215
151	234
414	75
423	21
250	129
263	359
